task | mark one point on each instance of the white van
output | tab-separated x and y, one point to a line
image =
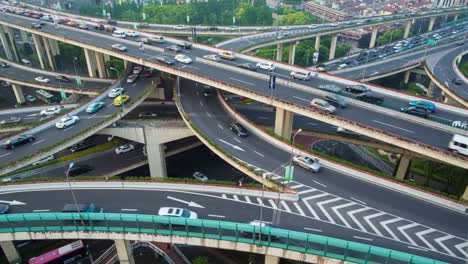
119	34
459	144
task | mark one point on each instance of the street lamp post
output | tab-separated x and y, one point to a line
70	166
74	67
264	175
118	75
292	147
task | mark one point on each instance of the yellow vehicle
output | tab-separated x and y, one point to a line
121	99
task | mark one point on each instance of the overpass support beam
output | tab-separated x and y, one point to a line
155	150
11	37
269	259
283	123
403	166
50	56
10	251
431	24
373	38
40	54
279	52
124	251
91	63
334	38
407	76
100	65
6	44
317	43
407	29
292	53
18	93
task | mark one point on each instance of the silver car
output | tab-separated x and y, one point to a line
323	105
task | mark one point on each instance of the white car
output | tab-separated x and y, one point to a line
305	76
183	58
51	111
42	79
137	69
269	66
312	26
44	160
179	27
200	176
322	105
307	163
67	121
177	212
124	149
212	57
286	28
116	92
132	34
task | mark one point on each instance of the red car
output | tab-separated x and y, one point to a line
148	73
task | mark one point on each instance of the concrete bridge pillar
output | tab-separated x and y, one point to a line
407	29
156	156
39	50
403	166
334	38
269	259
91	63
6	44
125	63
100	65
279	52
407	76
124	251
430	89
24	36
10	252
11	38
431	24
317	43
465	194
54	46
283	123
373	38
18	93
50	56
292	53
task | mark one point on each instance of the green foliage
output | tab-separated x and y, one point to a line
390	36
293	17
117	64
127	10
412	88
464	68
200	260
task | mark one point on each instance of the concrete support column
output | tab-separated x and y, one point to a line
465	194
18	93
279	52
407	29
6	44
431	24
54	46
10	252
156	155
373	38
407	76
317	43
100	65
40	54
124	251
11	37
334	38
125	64
91	62
283	123
430	89
50	56
269	259
292	53
403	166
24	36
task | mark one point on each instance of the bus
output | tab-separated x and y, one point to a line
46	96
64	255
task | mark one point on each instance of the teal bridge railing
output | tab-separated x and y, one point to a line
206	229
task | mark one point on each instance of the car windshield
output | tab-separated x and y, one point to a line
185	213
309	160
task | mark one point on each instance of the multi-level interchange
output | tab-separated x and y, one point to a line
327	213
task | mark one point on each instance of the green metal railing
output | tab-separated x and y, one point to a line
206	229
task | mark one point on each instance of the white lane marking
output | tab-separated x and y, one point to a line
129	210
5	154
38	142
417	248
285	206
234	79
237	140
312	229
259	200
260	154
220	127
299	209
273	204
42	210
109	105
324	211
359	201
352	213
321	184
300	98
312	124
247	199
382	123
385	223
217	216
336	208
460	246
369	217
439	241
423	233
296	186
408	226
68	128
134	85
208	114
307	191
363	238
92	116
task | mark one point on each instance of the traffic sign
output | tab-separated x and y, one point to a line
288	173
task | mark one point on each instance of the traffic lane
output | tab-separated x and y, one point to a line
327	180
445	73
51	135
159	110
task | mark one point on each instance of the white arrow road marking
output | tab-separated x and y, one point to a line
191	203
408	226
14	202
336	208
320	205
352	213
37	142
460	246
232	145
385	223
425	232
310	207
367	218
439	241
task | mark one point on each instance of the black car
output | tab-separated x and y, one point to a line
414	110
185	45
99	27
79	170
247	66
174	48
165	60
370	97
62	78
456	81
4	64
80	147
358	88
17	141
112	22
238	129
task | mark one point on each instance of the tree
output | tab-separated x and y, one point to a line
200	260
116	64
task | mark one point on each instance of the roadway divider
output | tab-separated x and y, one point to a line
353	172
444	88
149	186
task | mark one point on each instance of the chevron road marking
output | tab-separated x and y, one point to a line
259	200
273	204
285	206
439	241
224	196
247	199
310	207
367	219
385	223
425	232
320	205
308	191
336	208
460	246
352	213
408	226
235	197
299	209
